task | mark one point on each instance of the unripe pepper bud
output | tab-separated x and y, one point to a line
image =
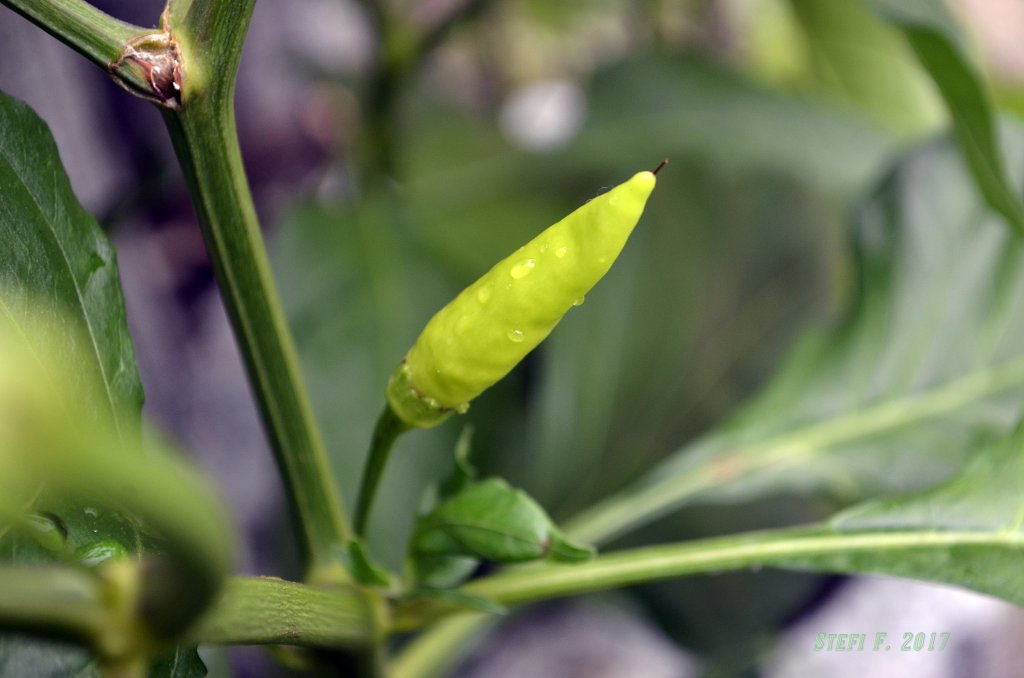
491	325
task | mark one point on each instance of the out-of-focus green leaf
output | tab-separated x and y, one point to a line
862	60
927	364
476	198
931	13
58	271
968	532
685	109
933	36
357	294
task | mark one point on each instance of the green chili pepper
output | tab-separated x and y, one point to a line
485	331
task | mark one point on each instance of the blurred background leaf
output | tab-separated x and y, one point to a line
846	52
979	513
925	365
359	282
742	251
934	38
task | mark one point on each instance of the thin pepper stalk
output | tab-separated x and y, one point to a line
385	433
209	36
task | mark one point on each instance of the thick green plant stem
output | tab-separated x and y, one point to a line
266	610
87	30
387	430
211	34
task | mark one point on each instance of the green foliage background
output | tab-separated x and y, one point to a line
820	309
748	248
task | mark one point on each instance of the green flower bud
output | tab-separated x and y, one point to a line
491	325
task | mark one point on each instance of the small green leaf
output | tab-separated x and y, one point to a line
495	522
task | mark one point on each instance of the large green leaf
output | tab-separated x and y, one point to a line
58	270
927	364
932	35
55	260
968	532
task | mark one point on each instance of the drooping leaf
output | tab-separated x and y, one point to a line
926	365
933	36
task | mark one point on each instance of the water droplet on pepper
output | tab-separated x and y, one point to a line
523	268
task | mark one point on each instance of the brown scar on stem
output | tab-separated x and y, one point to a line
157	58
